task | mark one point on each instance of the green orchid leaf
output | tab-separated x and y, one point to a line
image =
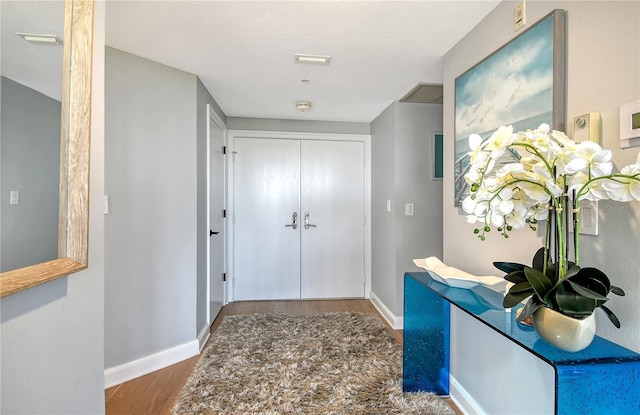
540	282
595	274
611	316
573	271
617	291
511	300
538	259
521	287
516	277
529	308
587	292
508	267
575	304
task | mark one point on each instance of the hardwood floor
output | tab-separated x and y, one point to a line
156	392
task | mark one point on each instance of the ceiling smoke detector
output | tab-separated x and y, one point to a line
40	39
303	106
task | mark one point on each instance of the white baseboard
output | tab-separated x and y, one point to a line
203	337
462	399
123	373
393	320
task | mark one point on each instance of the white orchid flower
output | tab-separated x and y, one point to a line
624	189
519	193
499	140
472	218
510	168
590	158
540	211
468	204
474	141
535	191
592	191
517	218
497	220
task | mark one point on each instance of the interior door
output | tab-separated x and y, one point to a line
217	231
299	219
332	205
266	240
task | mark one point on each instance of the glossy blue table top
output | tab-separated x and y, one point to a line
485	305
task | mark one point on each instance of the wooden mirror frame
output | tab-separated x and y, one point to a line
73	224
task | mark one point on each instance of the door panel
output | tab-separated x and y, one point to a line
216	220
266	192
332	192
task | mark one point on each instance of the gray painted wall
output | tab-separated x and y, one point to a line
52	342
402	162
383	224
603	72
150	231
30	164
298	126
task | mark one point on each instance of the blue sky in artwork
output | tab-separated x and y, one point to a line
512	86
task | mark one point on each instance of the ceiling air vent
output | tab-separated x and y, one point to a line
424	94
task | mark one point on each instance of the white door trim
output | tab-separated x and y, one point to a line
213	116
231	137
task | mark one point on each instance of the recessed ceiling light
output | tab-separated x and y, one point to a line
303	106
312	59
40	39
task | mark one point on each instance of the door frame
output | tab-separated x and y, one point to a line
215	118
231	137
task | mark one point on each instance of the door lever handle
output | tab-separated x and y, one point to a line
211	233
294	221
308	225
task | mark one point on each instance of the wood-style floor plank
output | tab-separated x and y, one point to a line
156	393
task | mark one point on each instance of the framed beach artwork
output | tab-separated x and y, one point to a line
521	84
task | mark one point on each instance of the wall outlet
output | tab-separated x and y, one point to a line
520	17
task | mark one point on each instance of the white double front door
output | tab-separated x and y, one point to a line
299	219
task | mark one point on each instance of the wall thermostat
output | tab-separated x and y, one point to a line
587	128
630	124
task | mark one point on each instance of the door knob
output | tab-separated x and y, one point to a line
212	232
294	221
308	225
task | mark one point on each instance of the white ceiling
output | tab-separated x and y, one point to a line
243	51
37	66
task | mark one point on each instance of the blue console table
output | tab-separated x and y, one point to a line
603	379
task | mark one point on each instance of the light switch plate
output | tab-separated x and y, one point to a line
14	198
588	217
408	209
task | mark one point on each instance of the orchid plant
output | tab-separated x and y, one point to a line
519	179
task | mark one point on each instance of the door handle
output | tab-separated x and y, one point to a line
212	232
294	220
308	225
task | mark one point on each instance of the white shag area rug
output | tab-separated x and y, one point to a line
329	364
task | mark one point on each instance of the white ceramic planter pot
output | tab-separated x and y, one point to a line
564	332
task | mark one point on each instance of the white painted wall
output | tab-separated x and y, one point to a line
52	343
603	72
402	164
